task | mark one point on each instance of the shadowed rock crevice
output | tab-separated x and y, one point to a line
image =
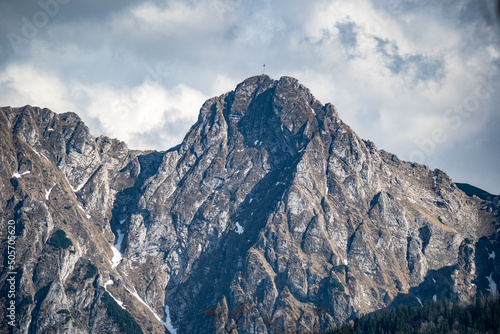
126	201
38	300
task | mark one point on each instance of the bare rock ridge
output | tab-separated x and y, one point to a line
271	205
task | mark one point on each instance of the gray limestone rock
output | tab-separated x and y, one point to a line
272	215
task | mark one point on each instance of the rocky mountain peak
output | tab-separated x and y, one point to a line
291	103
280	115
271	205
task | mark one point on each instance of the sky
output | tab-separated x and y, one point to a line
421	79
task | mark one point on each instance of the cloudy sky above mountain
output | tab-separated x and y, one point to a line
419	78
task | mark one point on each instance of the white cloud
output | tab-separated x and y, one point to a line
177	19
130	112
142	72
223	84
425	39
123	113
25	84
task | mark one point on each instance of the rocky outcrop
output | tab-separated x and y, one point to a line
59	184
271	215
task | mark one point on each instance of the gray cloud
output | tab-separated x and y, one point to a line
348	34
425	68
140	70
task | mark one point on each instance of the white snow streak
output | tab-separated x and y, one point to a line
492	255
110	282
47	192
420	302
117	255
17	175
80	186
86	214
167	323
35	151
43	155
434	298
239	228
493	285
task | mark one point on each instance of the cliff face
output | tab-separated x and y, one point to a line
272	208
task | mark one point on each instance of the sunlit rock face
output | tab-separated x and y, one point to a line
271	208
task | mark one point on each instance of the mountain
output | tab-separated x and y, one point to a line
271	215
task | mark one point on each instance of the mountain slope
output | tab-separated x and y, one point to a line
270	202
47	162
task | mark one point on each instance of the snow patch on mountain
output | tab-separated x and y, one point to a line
18	176
493	285
117	255
167	323
110	282
239	228
47	192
